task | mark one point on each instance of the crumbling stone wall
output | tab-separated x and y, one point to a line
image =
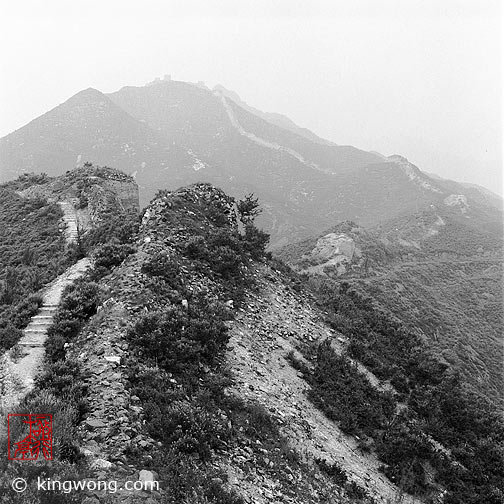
93	191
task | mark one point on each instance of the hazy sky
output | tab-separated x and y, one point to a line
419	78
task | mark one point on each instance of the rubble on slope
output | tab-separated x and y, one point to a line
273	323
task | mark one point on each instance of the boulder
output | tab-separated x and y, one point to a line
148	478
332	245
101	464
113	358
95	423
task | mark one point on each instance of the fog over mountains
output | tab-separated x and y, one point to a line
169	133
233	307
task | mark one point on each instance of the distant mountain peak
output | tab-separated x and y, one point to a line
398	158
414	173
167	79
174	133
86	95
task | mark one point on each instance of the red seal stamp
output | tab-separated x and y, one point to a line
29	436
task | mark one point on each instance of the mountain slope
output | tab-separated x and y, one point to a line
326	158
87	127
474	191
272	117
302	184
173	133
439	271
187	358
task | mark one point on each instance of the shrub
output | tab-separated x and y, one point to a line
217	216
405	448
112	254
344	394
225	261
163	266
62	379
190	429
438	405
80	299
55	343
32	253
225	249
116	226
297	363
26	308
354	491
9	336
196	248
79	302
75	251
178	339
333	470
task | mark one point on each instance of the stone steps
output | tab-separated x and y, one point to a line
25	369
44	312
35	334
33	342
41	318
71	221
38	327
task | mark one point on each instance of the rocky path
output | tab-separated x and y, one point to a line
20	365
113	422
70	217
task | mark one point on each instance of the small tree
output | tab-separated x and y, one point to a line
254	240
248	209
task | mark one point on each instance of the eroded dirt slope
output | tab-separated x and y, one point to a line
271	325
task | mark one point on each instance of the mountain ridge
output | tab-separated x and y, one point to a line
439	271
188	356
273	117
173	133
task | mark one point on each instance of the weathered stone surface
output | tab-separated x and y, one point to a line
95	423
90	500
273	323
101	464
147	477
332	255
459	200
334	245
88	194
